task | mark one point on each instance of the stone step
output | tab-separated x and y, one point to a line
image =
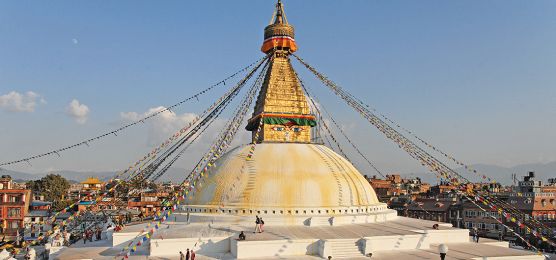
320	221
345	248
349	242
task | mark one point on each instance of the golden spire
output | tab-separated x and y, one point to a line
279	16
281	104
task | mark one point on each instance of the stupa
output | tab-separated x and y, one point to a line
314	202
288	177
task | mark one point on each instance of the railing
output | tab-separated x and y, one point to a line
142	203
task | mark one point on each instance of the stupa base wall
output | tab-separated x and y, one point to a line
207	246
219	247
401	238
291	219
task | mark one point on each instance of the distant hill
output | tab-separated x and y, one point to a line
501	174
173	174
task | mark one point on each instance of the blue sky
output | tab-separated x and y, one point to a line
476	78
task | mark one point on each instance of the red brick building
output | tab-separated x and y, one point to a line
147	202
14	204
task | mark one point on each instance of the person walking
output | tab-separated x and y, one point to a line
98	233
84	235
257	224
192	255
187	254
443	250
182	256
475	235
262	224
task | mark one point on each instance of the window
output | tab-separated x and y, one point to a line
14	212
297	129
278	128
14	198
13	224
150	199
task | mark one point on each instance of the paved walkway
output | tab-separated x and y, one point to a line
102	250
404	226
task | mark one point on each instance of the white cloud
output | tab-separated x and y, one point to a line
17	102
78	111
161	126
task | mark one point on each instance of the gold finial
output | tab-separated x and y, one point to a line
279	16
279	34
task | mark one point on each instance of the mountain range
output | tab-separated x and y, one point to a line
543	171
173	174
498	173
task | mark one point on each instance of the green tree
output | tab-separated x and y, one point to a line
52	186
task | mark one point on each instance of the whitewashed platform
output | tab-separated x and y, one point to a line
401	237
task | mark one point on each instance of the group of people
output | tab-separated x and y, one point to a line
259	225
189	255
89	233
259	228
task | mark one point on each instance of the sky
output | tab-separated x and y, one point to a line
475	78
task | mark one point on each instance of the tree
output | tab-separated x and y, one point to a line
53	187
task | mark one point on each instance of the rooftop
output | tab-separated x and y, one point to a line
91	180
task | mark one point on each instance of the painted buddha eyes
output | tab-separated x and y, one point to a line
283	128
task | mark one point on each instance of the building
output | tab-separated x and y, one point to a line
91	184
39	212
446	210
530	196
394	185
87	195
441	188
475	218
536	200
14	205
147	202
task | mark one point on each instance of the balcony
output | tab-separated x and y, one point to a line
143	203
12	203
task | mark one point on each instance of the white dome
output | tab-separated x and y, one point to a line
285	176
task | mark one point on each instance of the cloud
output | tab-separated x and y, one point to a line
161	126
17	102
75	41
78	111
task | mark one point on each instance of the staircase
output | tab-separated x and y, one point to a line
343	248
320	221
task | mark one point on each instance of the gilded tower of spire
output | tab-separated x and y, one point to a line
281	104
